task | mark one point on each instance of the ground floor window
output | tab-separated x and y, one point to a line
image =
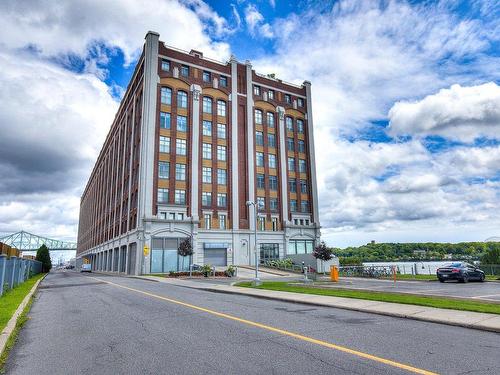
300	246
269	251
164	257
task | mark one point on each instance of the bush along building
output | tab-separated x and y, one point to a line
193	141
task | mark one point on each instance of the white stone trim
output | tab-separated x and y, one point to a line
235	219
250	144
284	164
195	146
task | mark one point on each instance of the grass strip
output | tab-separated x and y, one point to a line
11	300
438	302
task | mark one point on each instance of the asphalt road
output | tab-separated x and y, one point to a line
96	324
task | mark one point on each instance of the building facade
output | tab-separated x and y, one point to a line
193	141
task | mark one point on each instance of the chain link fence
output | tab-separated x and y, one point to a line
15	271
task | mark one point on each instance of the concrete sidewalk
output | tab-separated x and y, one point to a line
482	321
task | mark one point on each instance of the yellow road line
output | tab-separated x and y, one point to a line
281	331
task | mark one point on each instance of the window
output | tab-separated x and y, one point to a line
221	131
293	205
207	221
185	71
300	102
261	184
258	116
181	123
304	206
221	153
222	221
290	144
221	108
206	175
303	186
180	172
181	148
163	169
259	156
273	204
207	104
164	120
261	203
292	185
262	223
164	144
182	99
206	198
207	151
302	166
171	215
180	196
300	126
166	95
302	146
300	247
289	124
163	215
291	164
256	90
222	199
259	138
288	99
270	94
165	65
221	176
272	161
271	140
162	195
207	128
274	220
273	183
206	76
180	216
270	119
223	81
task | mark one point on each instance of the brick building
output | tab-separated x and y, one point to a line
193	141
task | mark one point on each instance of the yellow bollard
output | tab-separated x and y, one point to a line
334	273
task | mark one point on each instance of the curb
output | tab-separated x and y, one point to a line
7	331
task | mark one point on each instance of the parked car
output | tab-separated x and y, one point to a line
86	267
461	271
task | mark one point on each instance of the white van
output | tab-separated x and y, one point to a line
86	267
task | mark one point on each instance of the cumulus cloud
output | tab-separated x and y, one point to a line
462	113
256	23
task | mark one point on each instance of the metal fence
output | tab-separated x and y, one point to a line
366	271
15	271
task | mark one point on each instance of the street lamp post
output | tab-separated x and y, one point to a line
256	280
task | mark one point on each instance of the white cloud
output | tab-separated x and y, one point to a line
255	23
463	113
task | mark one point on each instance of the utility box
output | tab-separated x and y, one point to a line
334	273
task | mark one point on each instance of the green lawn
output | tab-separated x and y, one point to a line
439	302
13	298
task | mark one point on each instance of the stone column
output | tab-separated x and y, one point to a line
195	149
235	218
251	147
284	165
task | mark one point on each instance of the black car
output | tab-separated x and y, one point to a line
460	271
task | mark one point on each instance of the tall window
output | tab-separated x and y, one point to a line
258	116
164	144
259	138
206	175
293	205
222	199
221	131
261	203
289	124
165	65
207	104
256	90
291	164
166	95
273	204
288	99
261	183
180	196
292	185
162	195
185	71
304	206
181	147
206	198
302	166
300	126
207	151
221	153
181	123
262	223
273	183
271	140
303	186
270	119
259	156
206	76
270	94
223	81
207	128
290	144
222	221
221	177
302	146
164	120
221	108
180	172
163	169
300	102
207	221
272	161
182	99
274	220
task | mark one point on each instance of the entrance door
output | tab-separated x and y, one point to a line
215	257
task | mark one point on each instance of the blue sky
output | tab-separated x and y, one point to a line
406	103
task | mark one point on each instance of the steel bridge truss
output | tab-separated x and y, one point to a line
25	241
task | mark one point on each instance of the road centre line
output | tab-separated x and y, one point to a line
280	331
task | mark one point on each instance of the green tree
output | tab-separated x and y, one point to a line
43	255
185	249
322	253
491	257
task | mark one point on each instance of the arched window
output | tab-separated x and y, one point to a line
221	108
166	95
270	119
182	99
207	104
